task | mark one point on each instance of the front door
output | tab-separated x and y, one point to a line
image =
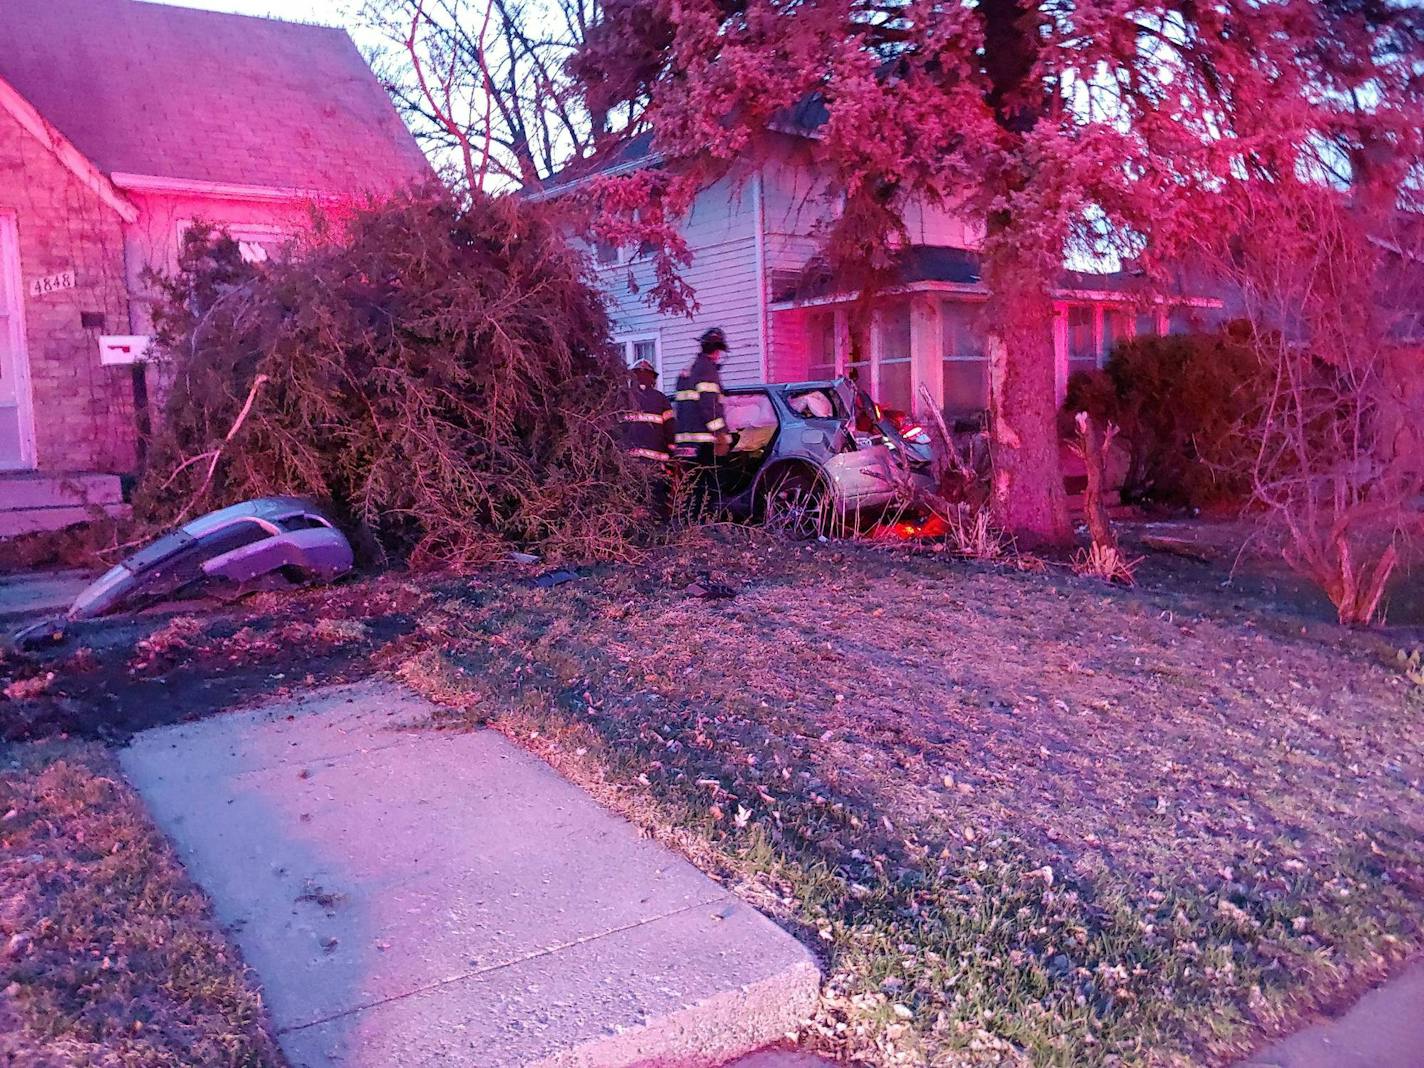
16	436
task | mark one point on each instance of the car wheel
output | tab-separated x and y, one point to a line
796	504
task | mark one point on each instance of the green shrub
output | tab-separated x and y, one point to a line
440	374
1185	406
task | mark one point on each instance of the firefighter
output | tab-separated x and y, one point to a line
702	435
647	428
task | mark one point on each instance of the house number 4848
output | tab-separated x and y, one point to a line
52	283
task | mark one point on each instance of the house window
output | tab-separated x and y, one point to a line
606	253
256	242
1082	344
1180	321
1114	331
892	377
633	349
820	346
1147	324
966	363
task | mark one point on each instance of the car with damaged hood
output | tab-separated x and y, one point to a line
804	455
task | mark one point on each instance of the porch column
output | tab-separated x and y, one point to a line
926	352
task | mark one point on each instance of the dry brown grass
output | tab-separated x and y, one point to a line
1052	822
108	953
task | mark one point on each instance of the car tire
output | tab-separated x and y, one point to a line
796	504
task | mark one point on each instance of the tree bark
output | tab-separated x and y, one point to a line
1028	498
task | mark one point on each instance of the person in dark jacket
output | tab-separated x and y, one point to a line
647	418
647	429
701	427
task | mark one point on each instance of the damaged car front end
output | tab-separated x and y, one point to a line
807	455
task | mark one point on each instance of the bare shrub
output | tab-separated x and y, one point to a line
1104	559
1336	467
439	373
1106	562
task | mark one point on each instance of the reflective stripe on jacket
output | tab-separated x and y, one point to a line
698	402
647	424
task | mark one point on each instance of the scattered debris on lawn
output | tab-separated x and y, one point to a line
1204	554
549	579
704	589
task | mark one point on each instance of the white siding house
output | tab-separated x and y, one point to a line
752	234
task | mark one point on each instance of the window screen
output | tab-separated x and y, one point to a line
821	346
893	379
966	363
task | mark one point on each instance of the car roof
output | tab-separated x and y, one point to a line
825	383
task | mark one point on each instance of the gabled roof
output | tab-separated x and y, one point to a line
74	161
623	154
170	92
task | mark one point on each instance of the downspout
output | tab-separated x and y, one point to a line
763	317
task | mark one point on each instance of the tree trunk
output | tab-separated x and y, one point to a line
1028	498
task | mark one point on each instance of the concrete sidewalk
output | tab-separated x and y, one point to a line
1384	1029
39	593
413	897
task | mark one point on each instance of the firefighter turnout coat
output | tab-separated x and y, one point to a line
647	424
699	407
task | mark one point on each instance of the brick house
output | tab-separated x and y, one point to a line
121	124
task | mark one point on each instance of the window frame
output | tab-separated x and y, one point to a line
981	357
242	233
877	359
628	344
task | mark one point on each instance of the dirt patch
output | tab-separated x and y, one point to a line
110	678
108	954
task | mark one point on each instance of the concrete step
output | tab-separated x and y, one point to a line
32	489
410	897
32	502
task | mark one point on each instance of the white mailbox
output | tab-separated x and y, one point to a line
123	348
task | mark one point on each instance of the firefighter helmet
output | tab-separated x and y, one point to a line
714	340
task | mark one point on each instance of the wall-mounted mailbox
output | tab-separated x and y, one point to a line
123	348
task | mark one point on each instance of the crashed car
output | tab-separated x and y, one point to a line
804	452
262	544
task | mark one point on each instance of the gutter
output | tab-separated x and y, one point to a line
979	291
653	159
153	183
763	318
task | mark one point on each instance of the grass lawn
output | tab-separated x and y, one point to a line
1024	818
108	954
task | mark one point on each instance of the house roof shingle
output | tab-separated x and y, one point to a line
178	93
